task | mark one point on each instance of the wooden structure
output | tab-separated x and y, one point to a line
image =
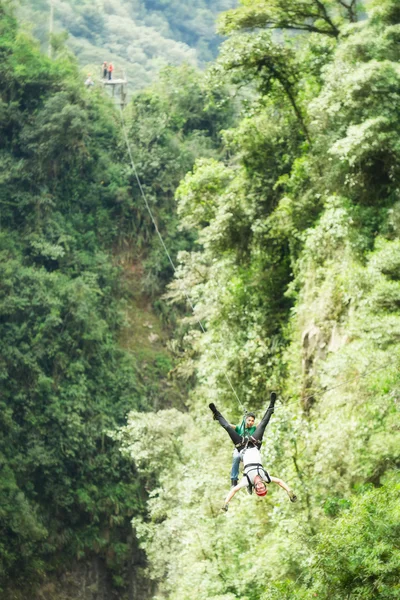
118	86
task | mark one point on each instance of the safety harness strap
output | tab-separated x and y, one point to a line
256	467
244	443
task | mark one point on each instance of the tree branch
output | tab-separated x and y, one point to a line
324	15
287	86
350	9
310	28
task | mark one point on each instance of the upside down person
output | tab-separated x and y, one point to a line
254	474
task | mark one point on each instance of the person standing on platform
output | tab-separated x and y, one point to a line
105	70
110	70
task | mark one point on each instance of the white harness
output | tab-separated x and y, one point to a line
253	466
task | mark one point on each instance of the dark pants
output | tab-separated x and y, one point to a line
257	435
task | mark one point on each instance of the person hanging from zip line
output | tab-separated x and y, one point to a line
246	429
254	474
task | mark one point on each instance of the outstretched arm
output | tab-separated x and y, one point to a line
231	493
284	486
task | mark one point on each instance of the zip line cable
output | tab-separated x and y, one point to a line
168	254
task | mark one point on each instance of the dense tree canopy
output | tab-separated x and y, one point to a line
274	181
78	267
60	318
138	37
294	275
317	16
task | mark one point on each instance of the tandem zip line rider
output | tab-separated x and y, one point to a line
246	428
254	475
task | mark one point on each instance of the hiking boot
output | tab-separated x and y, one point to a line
292	496
225	507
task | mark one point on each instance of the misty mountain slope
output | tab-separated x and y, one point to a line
138	37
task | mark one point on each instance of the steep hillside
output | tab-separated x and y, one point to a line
83	333
138	37
284	224
296	277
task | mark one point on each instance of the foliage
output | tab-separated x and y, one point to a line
294	275
169	126
66	491
322	17
284	225
358	555
80	344
140	37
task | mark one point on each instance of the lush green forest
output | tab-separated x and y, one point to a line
139	37
274	180
83	334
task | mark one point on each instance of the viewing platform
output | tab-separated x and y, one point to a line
114	81
118	84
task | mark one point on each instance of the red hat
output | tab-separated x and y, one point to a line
259	486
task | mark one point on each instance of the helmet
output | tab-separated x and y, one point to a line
259	486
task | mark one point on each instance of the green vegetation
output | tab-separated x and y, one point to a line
65	380
83	335
139	37
294	272
274	181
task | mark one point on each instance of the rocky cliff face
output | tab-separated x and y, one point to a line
92	580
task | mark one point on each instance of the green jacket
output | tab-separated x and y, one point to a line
245	431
